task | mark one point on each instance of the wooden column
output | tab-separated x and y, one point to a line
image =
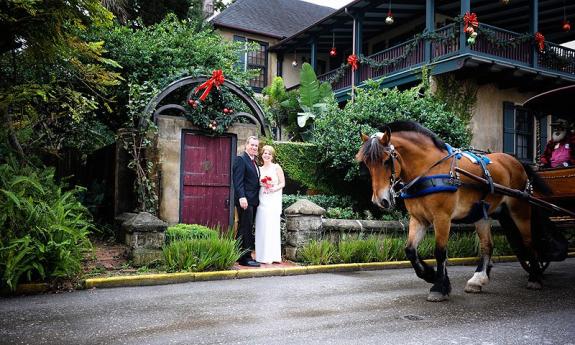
429	27
465	7
533	28
313	53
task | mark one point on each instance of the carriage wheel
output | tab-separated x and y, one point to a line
542	265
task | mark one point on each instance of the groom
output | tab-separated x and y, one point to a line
247	185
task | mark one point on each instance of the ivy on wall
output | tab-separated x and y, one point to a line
459	96
299	162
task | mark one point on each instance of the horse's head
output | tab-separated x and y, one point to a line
380	158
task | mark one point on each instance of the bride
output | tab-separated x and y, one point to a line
268	236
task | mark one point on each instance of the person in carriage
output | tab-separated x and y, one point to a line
560	150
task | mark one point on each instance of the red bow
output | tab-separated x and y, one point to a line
353	61
540	39
470	19
217	79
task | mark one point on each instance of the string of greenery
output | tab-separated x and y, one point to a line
484	32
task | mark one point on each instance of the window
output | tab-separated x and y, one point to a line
518	132
255	60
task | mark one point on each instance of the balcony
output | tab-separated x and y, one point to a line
493	46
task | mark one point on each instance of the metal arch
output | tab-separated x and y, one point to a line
233	87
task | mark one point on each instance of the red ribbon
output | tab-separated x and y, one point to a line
217	79
470	19
540	39
353	61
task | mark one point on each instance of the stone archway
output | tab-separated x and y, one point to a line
257	117
195	165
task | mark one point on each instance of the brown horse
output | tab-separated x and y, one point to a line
436	195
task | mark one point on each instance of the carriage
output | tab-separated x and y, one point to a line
559	103
438	188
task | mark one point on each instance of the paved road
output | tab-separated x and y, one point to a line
375	307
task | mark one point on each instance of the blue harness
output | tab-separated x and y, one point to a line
450	183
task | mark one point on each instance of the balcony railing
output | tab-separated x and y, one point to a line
518	53
446	43
406	55
557	58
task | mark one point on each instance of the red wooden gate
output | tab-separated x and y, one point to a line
206	180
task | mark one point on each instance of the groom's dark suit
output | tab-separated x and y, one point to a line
247	185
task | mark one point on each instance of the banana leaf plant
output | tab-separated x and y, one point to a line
314	95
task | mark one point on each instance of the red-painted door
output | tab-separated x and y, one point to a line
206	180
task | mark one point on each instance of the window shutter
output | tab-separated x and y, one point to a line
508	127
542	134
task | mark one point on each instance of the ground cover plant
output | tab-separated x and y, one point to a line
180	232
43	229
391	248
200	251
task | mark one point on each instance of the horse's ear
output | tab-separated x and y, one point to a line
384	139
364	137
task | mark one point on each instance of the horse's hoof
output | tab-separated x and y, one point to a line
435	296
534	285
472	288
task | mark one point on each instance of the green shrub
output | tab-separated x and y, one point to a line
299	162
205	254
318	253
337	131
341	213
325	201
44	230
181	232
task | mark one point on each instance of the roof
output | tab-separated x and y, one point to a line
513	17
558	102
274	18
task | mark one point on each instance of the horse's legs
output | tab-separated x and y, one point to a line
520	216
416	233
441	285
481	275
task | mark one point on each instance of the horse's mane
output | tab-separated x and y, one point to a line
372	151
411	126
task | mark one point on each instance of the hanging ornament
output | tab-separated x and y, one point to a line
333	51
566	25
193	103
294	62
389	20
470	26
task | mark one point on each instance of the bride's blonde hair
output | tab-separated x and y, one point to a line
271	150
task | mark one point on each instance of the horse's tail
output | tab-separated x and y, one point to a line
536	181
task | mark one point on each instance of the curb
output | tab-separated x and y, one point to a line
175	278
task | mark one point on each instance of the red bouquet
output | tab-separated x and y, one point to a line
266	182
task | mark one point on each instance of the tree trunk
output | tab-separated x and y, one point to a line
12	138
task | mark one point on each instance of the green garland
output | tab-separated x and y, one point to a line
486	33
214	114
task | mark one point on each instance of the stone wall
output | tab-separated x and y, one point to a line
305	222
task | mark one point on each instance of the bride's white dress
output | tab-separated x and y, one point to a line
268	236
